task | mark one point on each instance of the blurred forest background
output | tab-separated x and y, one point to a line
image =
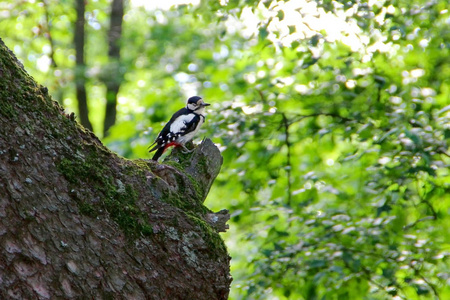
333	119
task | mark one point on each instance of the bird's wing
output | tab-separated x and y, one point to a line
154	148
192	124
163	136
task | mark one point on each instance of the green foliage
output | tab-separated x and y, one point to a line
334	130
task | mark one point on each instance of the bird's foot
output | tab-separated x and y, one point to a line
186	150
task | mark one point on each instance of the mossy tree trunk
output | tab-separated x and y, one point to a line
77	221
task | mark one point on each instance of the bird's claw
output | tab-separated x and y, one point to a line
186	150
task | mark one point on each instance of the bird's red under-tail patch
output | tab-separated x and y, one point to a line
175	144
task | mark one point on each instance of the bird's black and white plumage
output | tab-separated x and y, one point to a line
182	127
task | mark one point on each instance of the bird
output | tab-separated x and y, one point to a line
181	128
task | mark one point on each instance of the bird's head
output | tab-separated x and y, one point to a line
196	104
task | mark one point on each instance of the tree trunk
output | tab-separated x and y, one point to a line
80	66
77	221
114	77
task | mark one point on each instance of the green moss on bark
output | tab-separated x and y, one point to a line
182	184
7	109
119	200
212	238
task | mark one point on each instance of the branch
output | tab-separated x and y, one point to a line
368	275
300	117
288	157
406	227
218	220
427	203
193	174
433	288
443	152
203	165
78	221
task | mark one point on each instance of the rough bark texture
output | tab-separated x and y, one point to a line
77	221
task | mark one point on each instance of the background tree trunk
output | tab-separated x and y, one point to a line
80	66
77	221
114	76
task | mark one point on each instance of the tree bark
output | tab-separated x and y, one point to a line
80	66
77	221
114	77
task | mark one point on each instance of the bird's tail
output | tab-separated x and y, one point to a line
158	153
154	148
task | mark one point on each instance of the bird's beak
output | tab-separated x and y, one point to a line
205	104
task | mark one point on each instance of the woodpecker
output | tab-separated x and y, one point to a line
181	128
